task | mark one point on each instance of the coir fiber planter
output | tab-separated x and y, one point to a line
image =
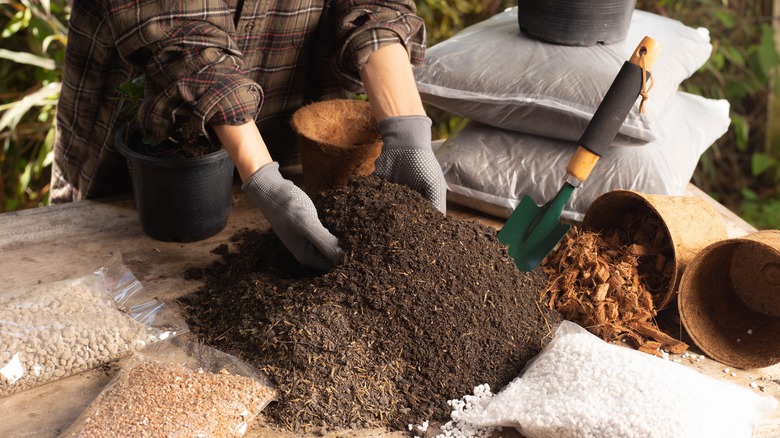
337	139
689	225
576	22
180	199
729	300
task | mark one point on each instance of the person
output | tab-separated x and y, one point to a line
238	69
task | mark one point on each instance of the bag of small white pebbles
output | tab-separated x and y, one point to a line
54	330
580	386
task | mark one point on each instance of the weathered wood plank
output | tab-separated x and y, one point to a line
68	241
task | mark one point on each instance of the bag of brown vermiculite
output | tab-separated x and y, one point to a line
178	387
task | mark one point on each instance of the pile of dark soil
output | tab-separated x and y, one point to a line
421	309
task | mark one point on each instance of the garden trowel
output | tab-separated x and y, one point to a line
533	231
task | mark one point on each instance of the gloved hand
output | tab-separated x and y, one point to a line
407	158
293	217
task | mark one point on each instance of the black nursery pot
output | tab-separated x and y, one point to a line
180	199
576	22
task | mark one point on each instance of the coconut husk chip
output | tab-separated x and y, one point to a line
606	286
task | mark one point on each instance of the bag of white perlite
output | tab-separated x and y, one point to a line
580	386
54	330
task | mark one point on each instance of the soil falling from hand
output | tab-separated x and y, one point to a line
420	310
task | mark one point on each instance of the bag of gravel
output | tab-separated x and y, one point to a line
581	386
54	330
177	388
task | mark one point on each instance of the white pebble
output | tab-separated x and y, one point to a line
62	328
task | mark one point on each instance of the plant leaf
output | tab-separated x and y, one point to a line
741	131
28	58
16	110
748	194
760	163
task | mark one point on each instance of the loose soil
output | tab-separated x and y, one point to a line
420	310
193	146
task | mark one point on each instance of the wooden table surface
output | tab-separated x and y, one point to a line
68	241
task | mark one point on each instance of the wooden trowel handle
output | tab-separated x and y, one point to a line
629	83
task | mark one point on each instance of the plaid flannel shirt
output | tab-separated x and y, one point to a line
209	62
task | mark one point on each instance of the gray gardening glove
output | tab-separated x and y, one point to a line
407	158
293	217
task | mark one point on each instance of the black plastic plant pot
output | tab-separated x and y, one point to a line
180	199
576	22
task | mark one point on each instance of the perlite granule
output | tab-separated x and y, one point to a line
149	398
580	386
458	429
50	331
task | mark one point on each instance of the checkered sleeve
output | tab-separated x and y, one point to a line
193	68
367	25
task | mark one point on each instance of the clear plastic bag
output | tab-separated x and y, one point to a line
54	330
177	388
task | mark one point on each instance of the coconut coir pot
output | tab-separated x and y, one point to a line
683	224
337	139
729	300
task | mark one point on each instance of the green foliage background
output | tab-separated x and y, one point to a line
33	35
742	170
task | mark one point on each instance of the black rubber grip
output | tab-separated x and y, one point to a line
614	108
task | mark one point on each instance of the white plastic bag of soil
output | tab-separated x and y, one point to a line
493	73
491	169
54	330
177	388
581	386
